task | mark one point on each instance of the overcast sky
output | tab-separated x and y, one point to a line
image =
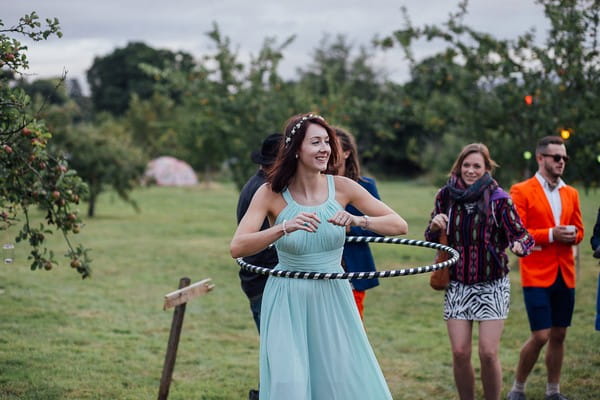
96	28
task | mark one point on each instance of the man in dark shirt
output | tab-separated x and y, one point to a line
595	242
254	284
595	239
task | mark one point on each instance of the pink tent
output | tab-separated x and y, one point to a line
169	171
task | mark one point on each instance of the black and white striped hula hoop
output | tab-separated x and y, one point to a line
363	275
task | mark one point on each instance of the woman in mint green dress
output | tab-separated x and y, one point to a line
313	345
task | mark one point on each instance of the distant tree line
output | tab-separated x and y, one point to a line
214	110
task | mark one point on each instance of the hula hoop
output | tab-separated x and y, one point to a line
363	275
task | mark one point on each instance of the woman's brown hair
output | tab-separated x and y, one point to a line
480	148
351	164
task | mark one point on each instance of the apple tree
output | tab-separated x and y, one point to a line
31	177
101	150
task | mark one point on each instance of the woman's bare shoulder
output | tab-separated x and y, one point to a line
269	199
346	190
343	183
264	189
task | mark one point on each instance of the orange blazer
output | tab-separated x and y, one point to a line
540	268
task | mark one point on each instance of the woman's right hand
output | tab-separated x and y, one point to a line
438	222
305	221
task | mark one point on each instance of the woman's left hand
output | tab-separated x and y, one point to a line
343	218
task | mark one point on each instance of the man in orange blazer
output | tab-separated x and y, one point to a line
551	213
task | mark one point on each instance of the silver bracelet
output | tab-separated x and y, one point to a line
285	233
366	217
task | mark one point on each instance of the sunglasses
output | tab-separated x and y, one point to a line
557	157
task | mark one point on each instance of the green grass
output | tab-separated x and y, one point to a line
105	337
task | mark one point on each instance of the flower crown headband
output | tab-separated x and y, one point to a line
299	124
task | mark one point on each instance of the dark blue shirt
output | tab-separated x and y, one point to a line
595	239
254	284
357	257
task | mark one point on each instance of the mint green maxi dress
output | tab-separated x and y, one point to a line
312	342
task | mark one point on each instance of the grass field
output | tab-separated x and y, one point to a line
105	337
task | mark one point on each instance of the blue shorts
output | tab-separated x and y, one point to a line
551	306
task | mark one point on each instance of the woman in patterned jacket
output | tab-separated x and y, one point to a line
481	223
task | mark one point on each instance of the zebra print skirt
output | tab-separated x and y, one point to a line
478	302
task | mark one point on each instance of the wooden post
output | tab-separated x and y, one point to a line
169	365
178	299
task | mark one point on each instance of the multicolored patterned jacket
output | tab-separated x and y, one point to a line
480	239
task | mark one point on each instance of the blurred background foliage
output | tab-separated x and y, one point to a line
212	111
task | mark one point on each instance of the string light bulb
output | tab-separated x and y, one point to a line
565	133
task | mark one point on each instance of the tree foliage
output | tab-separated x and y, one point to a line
31	176
227	107
100	150
50	91
213	111
103	155
114	78
150	125
343	85
489	104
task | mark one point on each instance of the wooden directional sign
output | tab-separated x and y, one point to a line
178	299
187	293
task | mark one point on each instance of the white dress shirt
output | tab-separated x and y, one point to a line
553	197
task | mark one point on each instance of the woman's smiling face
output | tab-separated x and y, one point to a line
472	168
315	150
